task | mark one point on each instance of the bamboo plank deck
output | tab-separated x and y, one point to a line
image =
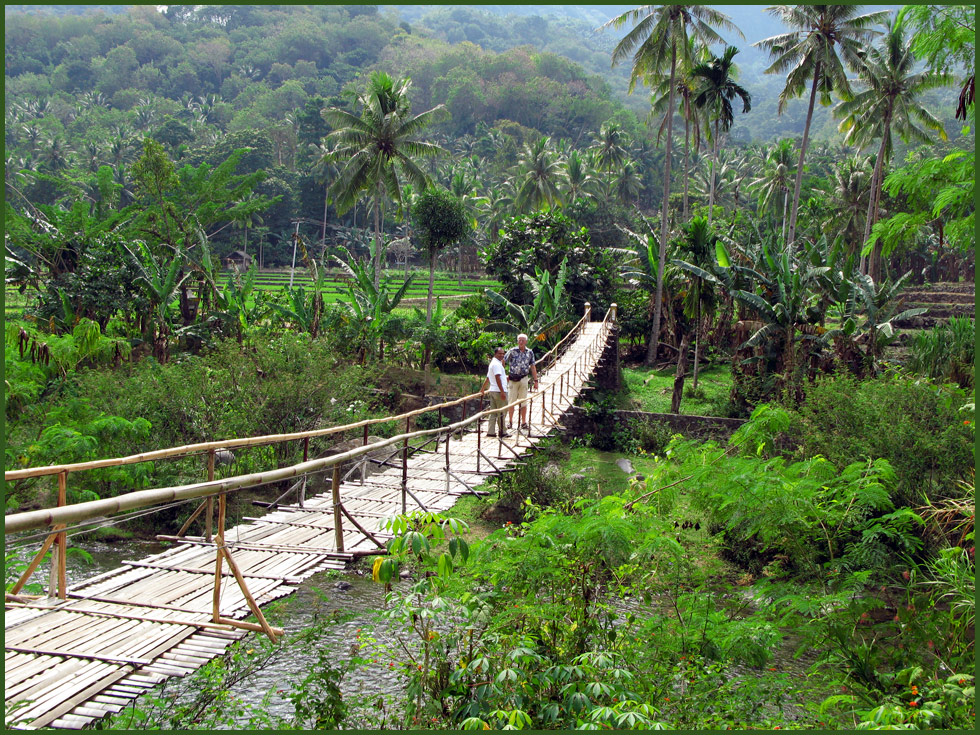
70	662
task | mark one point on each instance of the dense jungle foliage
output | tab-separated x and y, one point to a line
234	221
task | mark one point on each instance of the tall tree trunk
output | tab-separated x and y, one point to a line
697	342
377	238
785	205
873	266
323	225
459	262
799	168
714	167
675	399
432	278
687	162
662	251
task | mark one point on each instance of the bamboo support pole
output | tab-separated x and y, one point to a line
194	515
209	518
337	520
218	561
405	469
306	456
359	527
256	610
32	567
57	582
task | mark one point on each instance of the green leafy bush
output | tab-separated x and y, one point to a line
946	352
918	427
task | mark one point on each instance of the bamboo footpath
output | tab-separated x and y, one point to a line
87	650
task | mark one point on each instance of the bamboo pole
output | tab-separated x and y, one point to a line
209	518
338	529
256	610
57	582
189	521
218	559
36	561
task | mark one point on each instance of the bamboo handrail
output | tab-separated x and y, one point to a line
77	512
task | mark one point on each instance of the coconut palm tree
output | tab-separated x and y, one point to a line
701	256
540	176
324	169
627	185
690	113
581	183
777	175
716	90
377	145
658	42
888	105
849	188
610	148
809	54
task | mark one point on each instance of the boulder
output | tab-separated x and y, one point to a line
625	465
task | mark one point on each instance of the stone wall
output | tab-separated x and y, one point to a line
694	427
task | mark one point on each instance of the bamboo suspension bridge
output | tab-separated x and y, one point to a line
87	650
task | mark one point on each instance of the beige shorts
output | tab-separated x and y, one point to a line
517	390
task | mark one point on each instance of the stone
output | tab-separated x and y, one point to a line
625	465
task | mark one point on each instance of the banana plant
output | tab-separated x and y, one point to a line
161	285
869	311
782	301
544	317
237	305
368	304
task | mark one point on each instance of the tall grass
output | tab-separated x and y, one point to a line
946	352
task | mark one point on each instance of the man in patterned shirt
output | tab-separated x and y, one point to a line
520	363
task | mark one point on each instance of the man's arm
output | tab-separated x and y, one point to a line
500	385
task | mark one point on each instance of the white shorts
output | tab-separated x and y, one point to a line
517	389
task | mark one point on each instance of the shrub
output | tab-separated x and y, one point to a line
946	352
918	427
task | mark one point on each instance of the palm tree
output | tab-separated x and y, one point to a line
540	175
849	191
888	104
809	54
658	41
610	147
580	181
688	111
462	185
702	254
378	145
323	171
716	91
775	180
628	185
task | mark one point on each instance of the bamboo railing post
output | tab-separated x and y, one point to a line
364	461
588	311
57	581
219	542
479	434
448	437
338	528
306	456
209	518
408	429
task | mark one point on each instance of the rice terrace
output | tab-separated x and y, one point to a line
489	367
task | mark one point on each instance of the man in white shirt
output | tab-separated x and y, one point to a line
497	378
